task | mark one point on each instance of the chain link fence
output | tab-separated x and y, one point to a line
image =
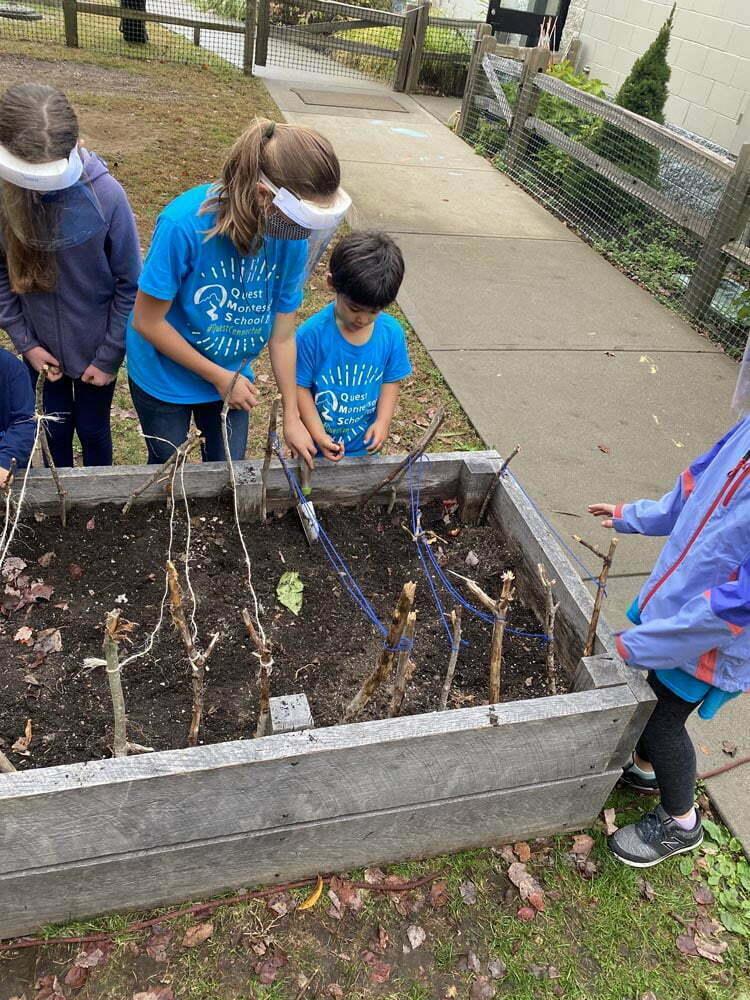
668	211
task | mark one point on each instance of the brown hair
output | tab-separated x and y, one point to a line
38	125
291	156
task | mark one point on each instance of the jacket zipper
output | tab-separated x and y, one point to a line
741	465
736	485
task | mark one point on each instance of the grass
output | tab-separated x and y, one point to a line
148	119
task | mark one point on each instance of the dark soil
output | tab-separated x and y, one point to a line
103	561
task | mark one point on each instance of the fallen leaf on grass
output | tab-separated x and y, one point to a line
46	560
381	942
289	591
523	851
23	743
380	972
280	904
416	936
482	989
470	963
526	914
646	890
610	826
710	948
162	993
94	956
439	894
197	934
451	993
703	895
583	845
23	635
157	944
49	640
497	968
508	854
48	988
268	969
76	977
349	897
374	876
468	893
648	996
729	748
335	991
528	887
544	971
314	896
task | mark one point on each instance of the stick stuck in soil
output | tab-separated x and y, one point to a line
405	666
390	650
607	559
263	652
493	485
189	445
196	657
115	629
44	443
417	451
549	626
455	649
496	655
273	421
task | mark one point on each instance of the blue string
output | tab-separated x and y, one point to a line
424	548
337	561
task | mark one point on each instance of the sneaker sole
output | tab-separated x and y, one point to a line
638	789
651	864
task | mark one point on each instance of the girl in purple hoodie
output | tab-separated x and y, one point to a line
69	266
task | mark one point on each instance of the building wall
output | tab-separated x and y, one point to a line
709	54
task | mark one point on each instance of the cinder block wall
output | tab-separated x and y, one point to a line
709	55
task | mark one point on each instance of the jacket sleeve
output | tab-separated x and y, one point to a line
707	622
18	439
11	315
658	517
125	262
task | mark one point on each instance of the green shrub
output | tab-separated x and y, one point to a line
288	13
573	121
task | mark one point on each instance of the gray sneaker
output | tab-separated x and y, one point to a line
633	781
654	838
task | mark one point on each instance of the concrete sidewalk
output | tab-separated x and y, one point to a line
542	341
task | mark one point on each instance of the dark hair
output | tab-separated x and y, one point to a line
368	268
38	125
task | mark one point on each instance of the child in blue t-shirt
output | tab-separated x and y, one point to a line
351	356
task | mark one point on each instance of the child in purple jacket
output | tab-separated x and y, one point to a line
69	266
691	630
17	428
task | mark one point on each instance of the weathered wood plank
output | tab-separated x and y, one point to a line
337	9
290	713
111	10
201	867
598	672
737	251
502	101
681	214
477	476
54	815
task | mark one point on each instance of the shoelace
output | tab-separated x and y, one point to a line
650	828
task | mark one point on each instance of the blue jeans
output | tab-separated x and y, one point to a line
83	409
171	421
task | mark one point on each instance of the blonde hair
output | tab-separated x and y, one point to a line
38	125
291	156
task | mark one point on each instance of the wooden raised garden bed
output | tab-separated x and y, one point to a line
80	839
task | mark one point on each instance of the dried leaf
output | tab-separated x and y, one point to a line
468	893
587	869
646	890
289	591
686	945
497	968
13	567
472	559
648	996
381	942
40	591
335	911
472	963
439	894
23	635
710	948
604	449
49	640
280	904
314	896
374	876
48	988
610	826
526	914
416	936
76	977
335	991
91	524
268	969
94	956
46	560
508	854
380	972
523	851
157	944
583	845
23	743
729	748
528	887
197	934
482	989
350	898
75	572
161	993
703	895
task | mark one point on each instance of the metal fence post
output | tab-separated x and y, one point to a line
536	62
248	48
415	58
727	224
484	42
263	28
70	19
407	44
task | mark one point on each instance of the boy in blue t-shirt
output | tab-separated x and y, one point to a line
351	356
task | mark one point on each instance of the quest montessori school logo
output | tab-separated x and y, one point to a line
235	297
349	401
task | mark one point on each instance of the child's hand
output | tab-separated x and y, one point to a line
38	357
605	510
299	441
95	376
376	437
330	449
244	395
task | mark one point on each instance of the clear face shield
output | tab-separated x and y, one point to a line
293	218
46	205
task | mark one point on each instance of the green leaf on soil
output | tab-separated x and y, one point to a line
289	591
714	831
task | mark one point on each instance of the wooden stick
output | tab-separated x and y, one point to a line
549	625
588	649
590	547
5	765
496	651
196	657
112	632
264	675
476	592
405	667
193	439
39	408
273	420
418	449
493	485
385	661
6	487
455	648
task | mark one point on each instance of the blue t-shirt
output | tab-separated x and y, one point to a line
223	304
344	378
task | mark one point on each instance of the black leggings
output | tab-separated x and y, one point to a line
665	744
